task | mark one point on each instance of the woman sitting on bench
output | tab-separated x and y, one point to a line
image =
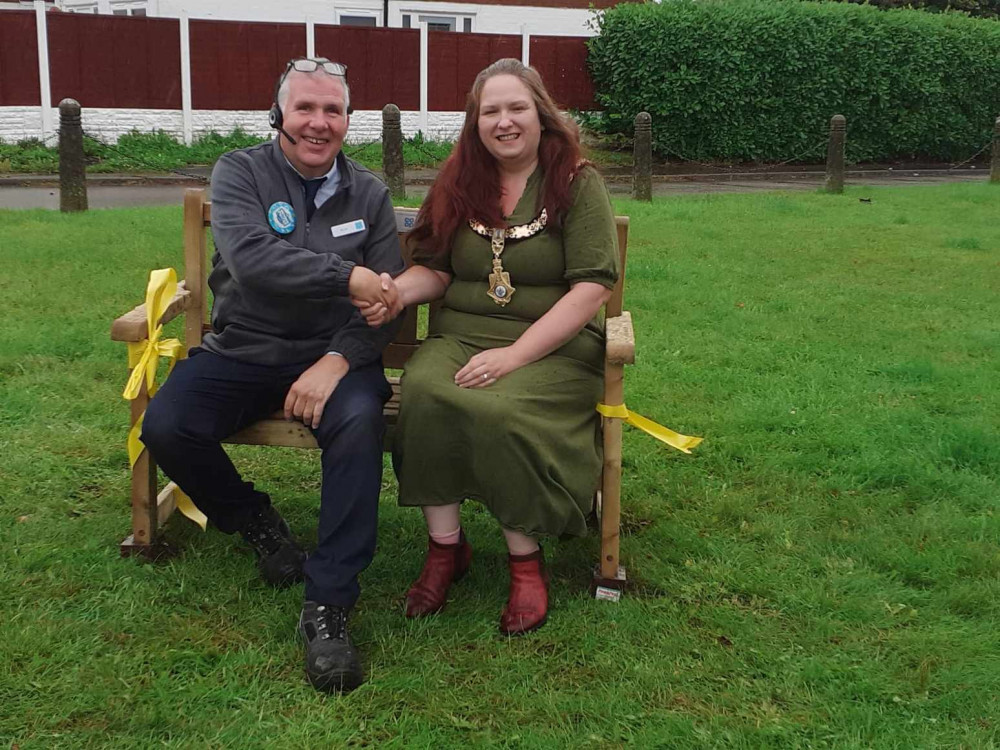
517	235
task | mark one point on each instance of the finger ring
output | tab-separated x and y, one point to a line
486	376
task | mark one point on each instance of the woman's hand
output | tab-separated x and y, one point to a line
487	367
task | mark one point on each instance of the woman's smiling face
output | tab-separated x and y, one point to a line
508	122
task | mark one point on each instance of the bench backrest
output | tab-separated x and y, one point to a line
198	217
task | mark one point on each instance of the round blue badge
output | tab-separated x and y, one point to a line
281	217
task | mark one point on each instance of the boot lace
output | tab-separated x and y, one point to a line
263	536
331	622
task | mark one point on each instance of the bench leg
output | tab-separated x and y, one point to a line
609	578
144	539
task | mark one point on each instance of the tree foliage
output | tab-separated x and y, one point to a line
758	80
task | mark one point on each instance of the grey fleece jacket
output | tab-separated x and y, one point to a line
282	298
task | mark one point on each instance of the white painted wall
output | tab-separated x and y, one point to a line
18	123
498	19
492	19
319	11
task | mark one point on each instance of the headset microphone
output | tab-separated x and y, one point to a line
275	119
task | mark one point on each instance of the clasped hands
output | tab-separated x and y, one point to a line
375	295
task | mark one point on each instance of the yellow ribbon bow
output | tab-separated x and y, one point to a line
143	357
683	443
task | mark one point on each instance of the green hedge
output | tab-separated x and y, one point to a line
758	80
979	8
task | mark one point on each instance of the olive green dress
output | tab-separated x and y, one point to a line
527	446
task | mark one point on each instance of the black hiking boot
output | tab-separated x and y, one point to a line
280	558
332	663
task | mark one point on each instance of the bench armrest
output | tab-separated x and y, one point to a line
620	347
131	326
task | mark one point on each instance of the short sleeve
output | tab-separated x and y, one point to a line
424	254
590	240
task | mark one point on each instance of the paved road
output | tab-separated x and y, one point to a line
107	191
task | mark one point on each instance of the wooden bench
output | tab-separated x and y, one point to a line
151	506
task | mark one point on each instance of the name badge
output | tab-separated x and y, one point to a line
350	227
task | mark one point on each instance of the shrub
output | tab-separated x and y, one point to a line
979	8
758	80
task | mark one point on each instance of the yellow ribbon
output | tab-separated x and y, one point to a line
143	357
682	443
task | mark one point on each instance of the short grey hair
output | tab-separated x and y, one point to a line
283	88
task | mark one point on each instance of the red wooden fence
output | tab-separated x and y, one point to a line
115	61
18	59
454	60
126	62
383	65
561	61
235	65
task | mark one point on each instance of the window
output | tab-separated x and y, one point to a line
439	23
357	20
128	7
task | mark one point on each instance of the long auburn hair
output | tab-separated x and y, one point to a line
468	186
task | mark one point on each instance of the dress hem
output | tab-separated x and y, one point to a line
512	526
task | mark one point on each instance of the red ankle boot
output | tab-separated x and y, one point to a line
445	563
528	605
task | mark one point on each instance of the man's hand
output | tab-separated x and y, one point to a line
379	313
365	287
308	395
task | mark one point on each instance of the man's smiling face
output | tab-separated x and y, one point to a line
315	115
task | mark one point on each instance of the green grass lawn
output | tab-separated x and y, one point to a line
824	571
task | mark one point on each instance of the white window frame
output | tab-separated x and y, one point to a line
365	12
107	7
129	6
455	19
91	7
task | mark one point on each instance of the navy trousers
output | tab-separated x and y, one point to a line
209	397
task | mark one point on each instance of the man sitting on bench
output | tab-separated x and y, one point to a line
299	230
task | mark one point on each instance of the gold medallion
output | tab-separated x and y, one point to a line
501	290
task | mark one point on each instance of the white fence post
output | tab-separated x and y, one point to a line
423	77
525	45
310	37
186	79
42	32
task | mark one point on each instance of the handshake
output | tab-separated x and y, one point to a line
376	296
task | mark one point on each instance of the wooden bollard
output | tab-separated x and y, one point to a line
72	179
995	163
835	154
642	158
392	151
